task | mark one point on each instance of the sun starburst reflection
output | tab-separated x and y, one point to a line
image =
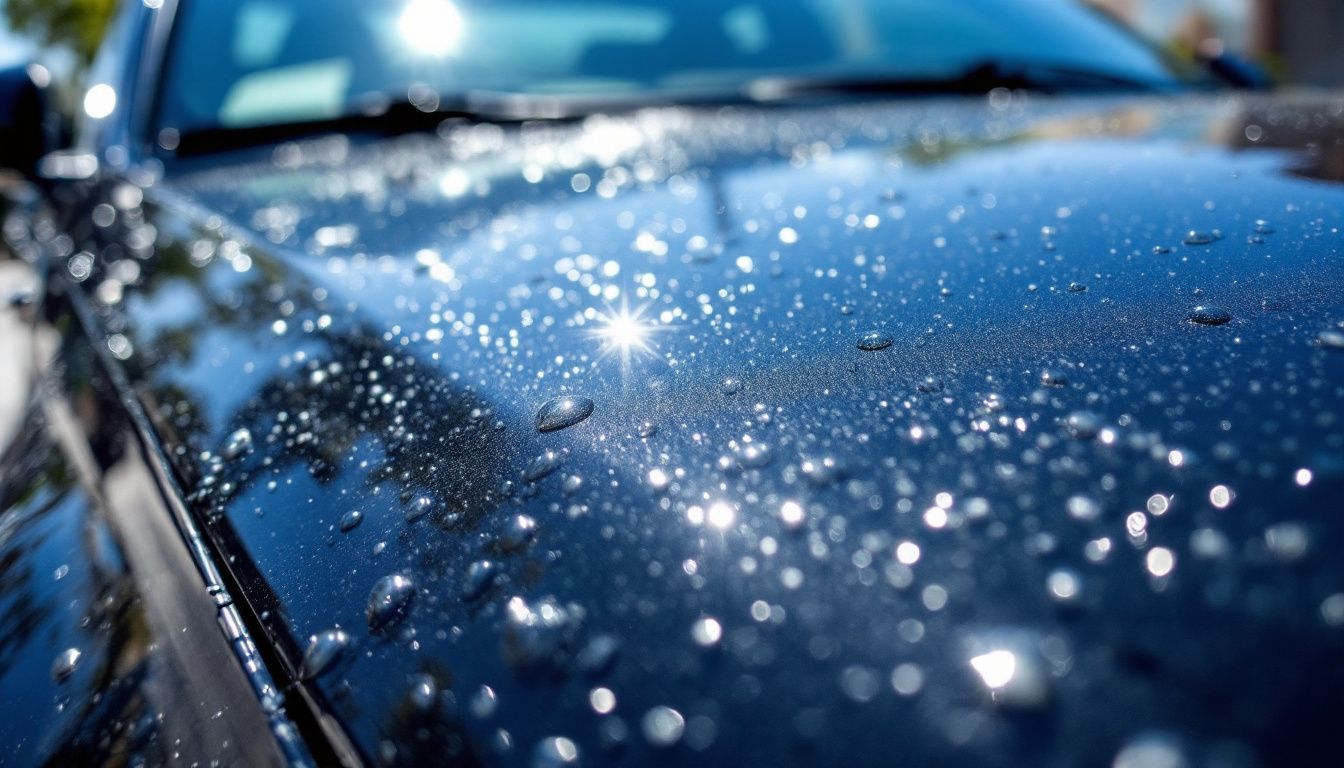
626	333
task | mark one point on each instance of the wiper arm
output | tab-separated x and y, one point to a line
383	116
981	78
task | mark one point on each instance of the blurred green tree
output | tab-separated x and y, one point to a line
78	24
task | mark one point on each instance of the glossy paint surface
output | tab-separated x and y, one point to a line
917	434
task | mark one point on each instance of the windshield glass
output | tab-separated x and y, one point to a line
264	62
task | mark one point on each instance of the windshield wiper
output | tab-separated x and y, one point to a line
981	78
383	117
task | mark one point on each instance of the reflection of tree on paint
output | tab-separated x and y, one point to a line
77	23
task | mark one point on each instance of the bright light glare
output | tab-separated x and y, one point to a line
100	101
625	333
431	27
996	668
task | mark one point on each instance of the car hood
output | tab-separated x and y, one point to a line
907	444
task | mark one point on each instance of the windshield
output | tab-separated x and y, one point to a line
266	62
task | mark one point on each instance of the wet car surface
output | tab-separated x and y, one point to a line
993	431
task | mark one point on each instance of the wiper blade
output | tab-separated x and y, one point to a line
385	117
981	78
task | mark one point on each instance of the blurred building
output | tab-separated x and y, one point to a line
1300	41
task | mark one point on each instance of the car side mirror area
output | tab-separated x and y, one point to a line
27	125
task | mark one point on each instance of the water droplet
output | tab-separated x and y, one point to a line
706	632
730	385
663	726
1077	288
563	412
480	575
1263	227
518	532
598	654
542	466
752	455
907	679
1333	340
1012	672
555	752
1151	751
351	520
390	599
1288	541
821	471
1051	377
1199	237
324	649
237	444
418	509
648	429
1209	315
860	683
1083	508
424	693
537	634
64	665
929	385
659	479
1083	425
1064	585
873	341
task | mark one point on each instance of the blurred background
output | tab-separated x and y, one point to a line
1297	41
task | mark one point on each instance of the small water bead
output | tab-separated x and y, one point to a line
1083	425
731	385
647	429
542	466
1077	288
389	601
537	634
598	654
929	385
1151	751
1082	508
873	341
1287	541
518	532
480	576
483	703
563	412
65	664
1158	250
238	443
860	683
555	752
752	455
1063	584
1051	377
1263	227
324	649
1200	237
706	632
351	520
424	694
1209	315
1013	672
663	726
907	679
822	470
418	508
1332	340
